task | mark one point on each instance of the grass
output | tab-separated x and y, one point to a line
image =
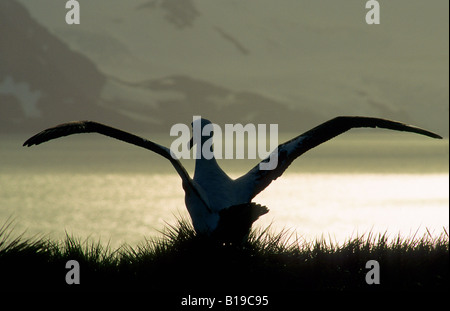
181	261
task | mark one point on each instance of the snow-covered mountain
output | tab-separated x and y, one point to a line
42	81
295	63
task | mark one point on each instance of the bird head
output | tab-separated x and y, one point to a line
202	130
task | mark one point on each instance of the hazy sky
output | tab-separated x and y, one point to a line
315	54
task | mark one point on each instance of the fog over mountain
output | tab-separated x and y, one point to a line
146	65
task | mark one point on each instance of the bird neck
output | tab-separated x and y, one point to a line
205	165
208	170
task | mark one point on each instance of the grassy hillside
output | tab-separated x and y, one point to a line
181	262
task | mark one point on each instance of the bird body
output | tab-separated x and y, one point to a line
217	204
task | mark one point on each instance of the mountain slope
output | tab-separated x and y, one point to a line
42	81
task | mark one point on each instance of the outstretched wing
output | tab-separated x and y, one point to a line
78	127
257	180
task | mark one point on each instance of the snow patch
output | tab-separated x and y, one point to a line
27	98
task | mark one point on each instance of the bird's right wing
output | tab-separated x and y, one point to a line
78	127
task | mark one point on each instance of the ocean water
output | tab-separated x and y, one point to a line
95	187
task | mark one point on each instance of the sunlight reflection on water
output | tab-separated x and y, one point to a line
129	207
343	205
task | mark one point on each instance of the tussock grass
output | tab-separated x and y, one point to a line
181	261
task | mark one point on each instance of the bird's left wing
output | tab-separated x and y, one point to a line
257	180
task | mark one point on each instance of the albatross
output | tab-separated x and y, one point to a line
217	204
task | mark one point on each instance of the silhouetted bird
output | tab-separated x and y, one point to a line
218	205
